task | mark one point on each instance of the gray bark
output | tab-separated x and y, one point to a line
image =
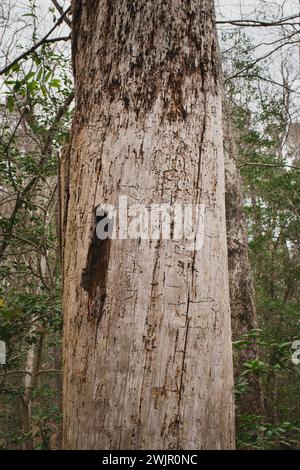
147	337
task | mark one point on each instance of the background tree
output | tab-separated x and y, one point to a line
260	62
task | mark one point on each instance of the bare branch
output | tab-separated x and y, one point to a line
60	113
257	23
62	38
24	240
250	66
269	80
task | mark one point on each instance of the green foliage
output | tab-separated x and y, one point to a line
33	127
276	427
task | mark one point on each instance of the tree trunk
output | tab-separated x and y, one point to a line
241	286
33	365
147	337
242	295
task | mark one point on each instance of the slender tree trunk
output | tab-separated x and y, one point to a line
33	365
147	338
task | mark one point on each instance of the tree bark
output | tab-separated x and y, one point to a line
147	337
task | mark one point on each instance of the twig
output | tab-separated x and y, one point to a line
31	184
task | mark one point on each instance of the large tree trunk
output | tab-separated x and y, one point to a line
147	338
33	365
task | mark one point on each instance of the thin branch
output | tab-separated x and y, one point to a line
24	240
8	145
62	38
37	45
25	372
271	165
270	43
250	66
60	113
31	184
257	23
269	80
